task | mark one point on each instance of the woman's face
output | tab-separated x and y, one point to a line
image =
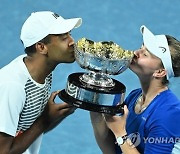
144	63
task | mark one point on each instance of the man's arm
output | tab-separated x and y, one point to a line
52	113
11	145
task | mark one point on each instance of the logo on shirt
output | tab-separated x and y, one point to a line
19	133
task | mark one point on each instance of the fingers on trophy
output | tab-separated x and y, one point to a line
96	90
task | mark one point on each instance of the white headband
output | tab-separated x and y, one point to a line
158	45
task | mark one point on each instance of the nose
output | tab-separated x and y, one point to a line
71	40
137	53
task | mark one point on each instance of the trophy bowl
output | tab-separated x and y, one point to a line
95	90
101	59
108	62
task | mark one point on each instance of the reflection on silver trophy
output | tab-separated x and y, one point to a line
96	90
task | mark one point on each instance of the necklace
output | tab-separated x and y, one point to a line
141	103
140	106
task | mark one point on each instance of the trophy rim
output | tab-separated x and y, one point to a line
105	65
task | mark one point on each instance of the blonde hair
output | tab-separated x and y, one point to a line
174	46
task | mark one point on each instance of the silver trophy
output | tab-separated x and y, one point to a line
96	90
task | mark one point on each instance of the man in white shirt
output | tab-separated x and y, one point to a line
27	111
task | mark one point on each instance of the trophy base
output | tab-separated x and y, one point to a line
92	98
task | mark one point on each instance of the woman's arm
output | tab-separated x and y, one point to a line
104	137
117	125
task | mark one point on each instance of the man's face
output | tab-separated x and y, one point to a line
61	48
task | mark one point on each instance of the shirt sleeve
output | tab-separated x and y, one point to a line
131	98
11	103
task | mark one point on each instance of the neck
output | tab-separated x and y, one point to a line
38	68
150	89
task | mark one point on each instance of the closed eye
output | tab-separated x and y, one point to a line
66	35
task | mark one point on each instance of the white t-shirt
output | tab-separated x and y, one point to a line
22	100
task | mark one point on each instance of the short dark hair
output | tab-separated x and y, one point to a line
32	49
